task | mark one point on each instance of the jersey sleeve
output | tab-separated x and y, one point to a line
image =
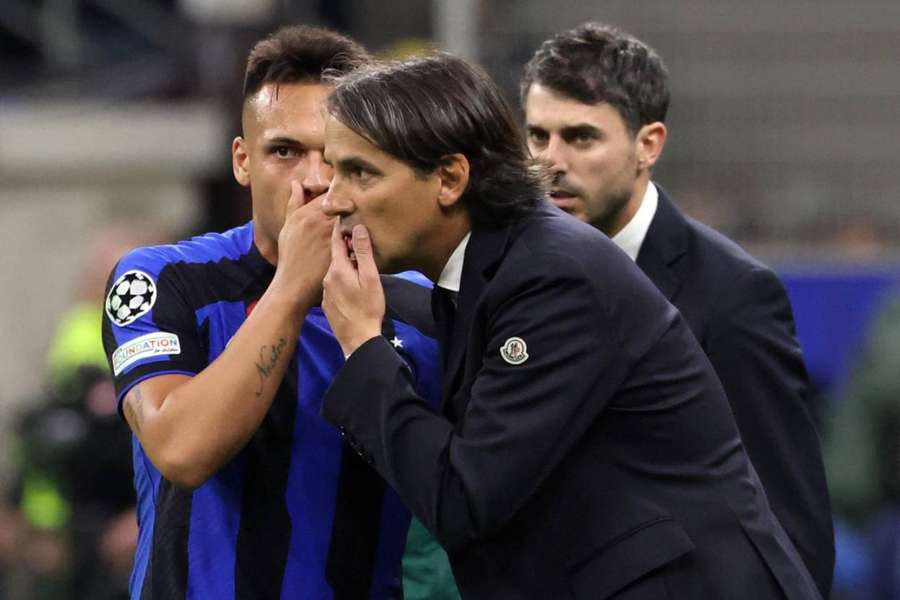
420	353
408	297
149	325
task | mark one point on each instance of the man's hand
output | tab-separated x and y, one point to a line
303	249
353	299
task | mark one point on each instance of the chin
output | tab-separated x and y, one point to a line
384	266
391	267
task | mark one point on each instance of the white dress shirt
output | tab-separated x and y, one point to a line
632	235
451	275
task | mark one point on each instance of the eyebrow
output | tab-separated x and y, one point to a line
569	130
284	141
352	162
580	129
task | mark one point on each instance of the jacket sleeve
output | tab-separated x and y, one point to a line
464	480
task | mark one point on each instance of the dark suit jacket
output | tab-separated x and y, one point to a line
605	465
740	314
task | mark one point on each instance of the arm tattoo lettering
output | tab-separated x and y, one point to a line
268	358
134	408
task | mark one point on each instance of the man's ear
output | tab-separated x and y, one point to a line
650	141
454	178
240	161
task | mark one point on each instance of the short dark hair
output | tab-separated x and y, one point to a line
300	54
596	63
424	109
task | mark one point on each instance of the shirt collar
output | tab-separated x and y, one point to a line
631	237
452	274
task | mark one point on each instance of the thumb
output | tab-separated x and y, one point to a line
362	248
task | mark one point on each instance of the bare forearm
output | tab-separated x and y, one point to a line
198	425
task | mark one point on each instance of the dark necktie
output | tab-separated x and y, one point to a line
443	307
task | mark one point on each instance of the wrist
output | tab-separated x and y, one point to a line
293	295
357	341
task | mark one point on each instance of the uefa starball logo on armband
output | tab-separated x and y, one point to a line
130	297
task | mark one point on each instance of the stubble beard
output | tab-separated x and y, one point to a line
613	205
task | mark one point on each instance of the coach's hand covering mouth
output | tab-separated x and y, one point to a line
353	299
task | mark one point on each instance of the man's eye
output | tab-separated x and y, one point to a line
582	138
285	152
537	137
360	174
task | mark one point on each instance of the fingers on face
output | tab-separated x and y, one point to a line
365	261
338	248
296	199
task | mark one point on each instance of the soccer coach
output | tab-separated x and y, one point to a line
584	447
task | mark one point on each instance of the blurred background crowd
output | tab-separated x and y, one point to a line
116	118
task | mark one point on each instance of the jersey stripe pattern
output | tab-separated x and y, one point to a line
296	513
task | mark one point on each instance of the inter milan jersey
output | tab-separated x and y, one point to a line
297	513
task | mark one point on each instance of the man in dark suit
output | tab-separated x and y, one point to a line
595	101
584	447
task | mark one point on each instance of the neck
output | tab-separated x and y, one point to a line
267	247
452	234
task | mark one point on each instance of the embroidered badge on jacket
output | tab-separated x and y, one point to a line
514	351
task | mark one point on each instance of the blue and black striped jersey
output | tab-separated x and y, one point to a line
296	513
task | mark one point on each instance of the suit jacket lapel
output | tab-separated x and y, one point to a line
483	254
667	240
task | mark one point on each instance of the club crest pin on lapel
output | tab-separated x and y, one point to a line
514	351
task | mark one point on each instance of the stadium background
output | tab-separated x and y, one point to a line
116	119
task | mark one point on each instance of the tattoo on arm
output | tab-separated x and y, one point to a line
268	358
134	408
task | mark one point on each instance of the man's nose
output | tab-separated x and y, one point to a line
553	156
318	175
336	204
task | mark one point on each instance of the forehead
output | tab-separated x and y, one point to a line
288	107
342	143
552	110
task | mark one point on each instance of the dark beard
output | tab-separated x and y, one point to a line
609	219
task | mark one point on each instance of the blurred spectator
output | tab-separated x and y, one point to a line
852	565
863	448
863	462
77	340
73	492
9	529
70	528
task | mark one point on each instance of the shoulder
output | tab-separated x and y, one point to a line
554	246
551	239
576	269
699	252
734	288
715	245
185	264
707	261
164	275
732	269
210	247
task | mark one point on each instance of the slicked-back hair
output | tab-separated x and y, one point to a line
596	63
300	54
424	109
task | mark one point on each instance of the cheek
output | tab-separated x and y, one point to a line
598	160
606	165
